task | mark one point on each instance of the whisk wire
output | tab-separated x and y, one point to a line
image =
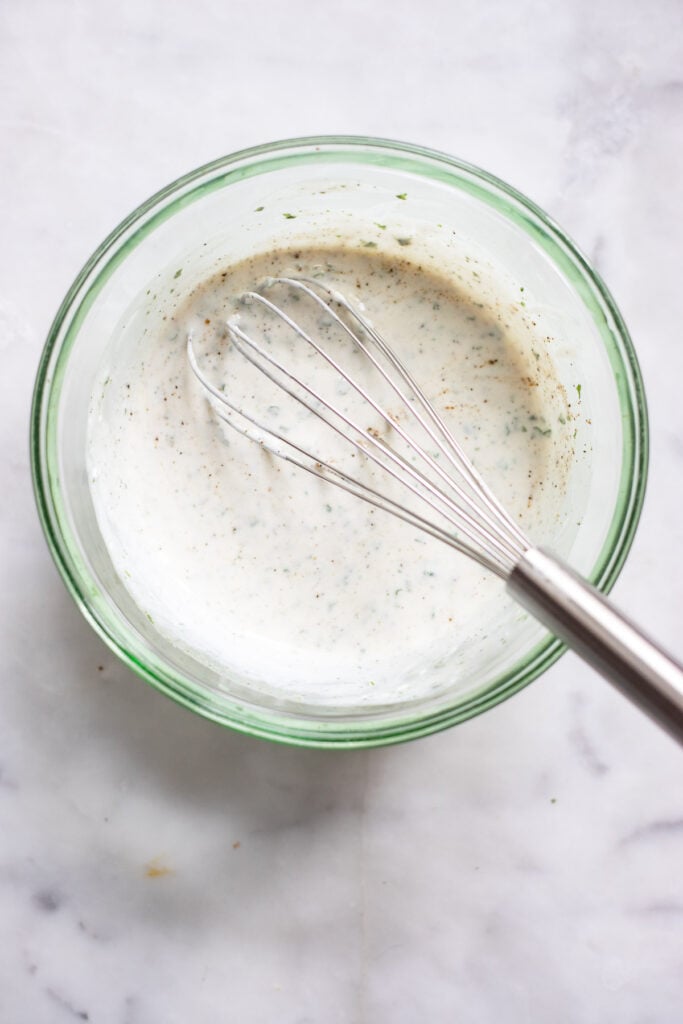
303	285
457	516
337	476
452	449
465	503
492	531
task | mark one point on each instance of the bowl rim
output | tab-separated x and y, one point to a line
343	732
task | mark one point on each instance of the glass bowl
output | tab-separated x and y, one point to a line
238	205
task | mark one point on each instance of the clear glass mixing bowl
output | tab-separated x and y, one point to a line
238	205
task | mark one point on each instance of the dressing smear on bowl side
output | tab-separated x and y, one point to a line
279	580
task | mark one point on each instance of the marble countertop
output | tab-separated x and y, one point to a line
154	869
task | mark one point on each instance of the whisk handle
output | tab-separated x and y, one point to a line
580	616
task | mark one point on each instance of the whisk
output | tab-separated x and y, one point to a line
441	493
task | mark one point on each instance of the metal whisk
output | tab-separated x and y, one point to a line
444	495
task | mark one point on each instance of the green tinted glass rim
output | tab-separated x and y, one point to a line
270	724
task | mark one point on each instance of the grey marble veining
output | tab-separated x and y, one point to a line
524	867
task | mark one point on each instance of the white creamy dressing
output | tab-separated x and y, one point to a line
280	580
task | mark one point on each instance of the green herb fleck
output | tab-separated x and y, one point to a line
177	273
542	433
401	195
578	390
289	216
258	209
562	419
404	241
553	799
382	227
369	245
149	617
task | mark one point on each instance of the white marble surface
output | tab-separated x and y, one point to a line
525	867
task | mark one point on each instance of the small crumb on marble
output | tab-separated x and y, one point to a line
156	868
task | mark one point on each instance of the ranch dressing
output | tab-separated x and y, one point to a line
283	581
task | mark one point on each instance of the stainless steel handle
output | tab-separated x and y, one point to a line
578	614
